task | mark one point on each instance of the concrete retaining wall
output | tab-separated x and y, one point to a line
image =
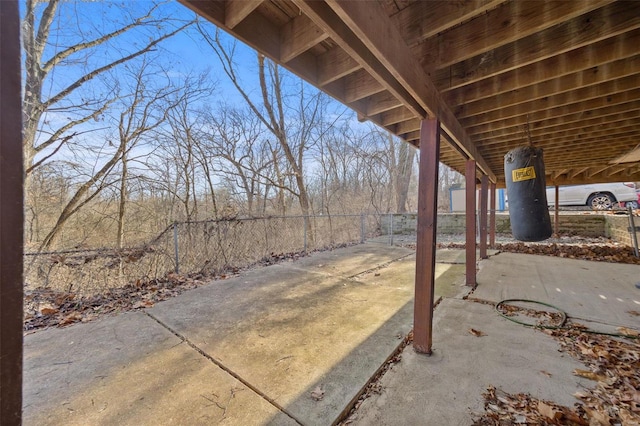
586	225
617	228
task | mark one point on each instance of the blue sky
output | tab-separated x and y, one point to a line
183	54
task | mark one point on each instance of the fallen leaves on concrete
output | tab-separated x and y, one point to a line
613	364
476	333
543	318
374	387
318	393
502	408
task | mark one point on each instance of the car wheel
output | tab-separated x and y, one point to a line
632	204
600	201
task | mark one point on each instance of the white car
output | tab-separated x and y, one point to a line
598	196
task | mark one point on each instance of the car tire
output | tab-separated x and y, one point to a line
632	204
602	201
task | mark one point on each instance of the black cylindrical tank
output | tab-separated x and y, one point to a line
526	189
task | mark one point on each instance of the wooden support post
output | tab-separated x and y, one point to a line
484	192
11	216
556	213
426	238
492	216
470	206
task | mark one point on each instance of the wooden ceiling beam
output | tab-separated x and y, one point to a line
600	178
541	132
372	38
557	158
614	170
381	102
505	24
298	36
598	92
334	64
594	29
557	174
618	70
619	136
613	145
615	49
414	136
584	161
417	23
579	171
396	116
342	34
597	170
407	127
214	11
548	119
631	120
359	85
235	11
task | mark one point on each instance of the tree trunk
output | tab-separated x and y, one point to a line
122	204
406	155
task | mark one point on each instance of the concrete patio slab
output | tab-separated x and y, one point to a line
456	256
294	343
247	350
446	388
353	260
294	328
595	291
128	370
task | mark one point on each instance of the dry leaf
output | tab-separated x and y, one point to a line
628	419
589	375
597	417
546	373
71	318
477	333
317	393
628	331
142	304
49	311
549	411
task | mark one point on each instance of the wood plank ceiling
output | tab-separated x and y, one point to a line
561	75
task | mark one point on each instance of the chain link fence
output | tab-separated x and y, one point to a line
203	248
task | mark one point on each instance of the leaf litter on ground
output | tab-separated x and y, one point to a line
45	307
613	364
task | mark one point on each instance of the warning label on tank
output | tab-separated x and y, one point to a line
526	173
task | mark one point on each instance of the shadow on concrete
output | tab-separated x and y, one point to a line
278	333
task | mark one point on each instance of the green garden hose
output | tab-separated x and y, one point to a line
561	325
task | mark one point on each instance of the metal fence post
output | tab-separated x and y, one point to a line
306	219
632	231
175	246
390	229
362	228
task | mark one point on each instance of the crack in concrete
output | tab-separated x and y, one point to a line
350	277
226	369
381	266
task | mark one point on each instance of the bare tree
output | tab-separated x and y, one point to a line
293	126
240	155
143	108
51	45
